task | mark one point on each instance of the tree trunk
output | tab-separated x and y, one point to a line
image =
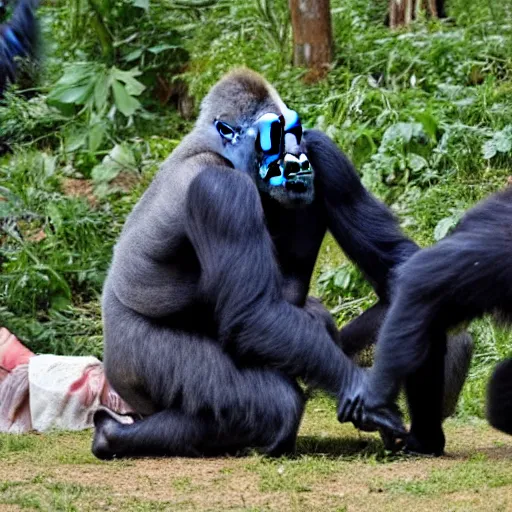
312	34
402	12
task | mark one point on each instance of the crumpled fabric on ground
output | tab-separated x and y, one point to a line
14	400
46	392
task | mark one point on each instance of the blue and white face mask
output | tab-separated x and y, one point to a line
278	165
274	134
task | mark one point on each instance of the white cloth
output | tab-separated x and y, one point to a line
65	391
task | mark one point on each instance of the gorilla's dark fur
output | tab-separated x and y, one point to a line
18	40
463	277
207	320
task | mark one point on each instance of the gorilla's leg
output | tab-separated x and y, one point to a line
499	397
424	391
459	352
267	422
363	331
198	402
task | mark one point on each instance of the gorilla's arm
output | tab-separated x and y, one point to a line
365	229
240	277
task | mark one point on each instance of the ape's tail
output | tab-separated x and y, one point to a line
499	397
18	39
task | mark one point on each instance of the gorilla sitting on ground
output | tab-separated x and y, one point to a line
207	321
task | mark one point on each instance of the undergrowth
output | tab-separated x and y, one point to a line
425	114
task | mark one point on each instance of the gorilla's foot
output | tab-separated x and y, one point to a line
106	425
387	420
425	444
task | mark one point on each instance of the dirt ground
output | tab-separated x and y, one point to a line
336	469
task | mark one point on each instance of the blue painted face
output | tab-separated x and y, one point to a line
270	130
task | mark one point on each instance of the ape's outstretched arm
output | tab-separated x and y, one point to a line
370	236
240	277
365	229
461	278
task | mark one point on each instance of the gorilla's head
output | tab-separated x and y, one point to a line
253	129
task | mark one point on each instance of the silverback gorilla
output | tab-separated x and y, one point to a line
207	322
463	277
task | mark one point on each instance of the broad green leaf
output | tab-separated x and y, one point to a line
75	142
75	75
402	131
342	279
444	226
429	123
96	135
125	103
122	156
503	141
133	86
104	172
416	162
119	159
101	90
489	149
76	95
136	54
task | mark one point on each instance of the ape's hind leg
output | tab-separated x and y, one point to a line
457	360
270	423
424	390
163	433
196	400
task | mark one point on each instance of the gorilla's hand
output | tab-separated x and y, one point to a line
356	405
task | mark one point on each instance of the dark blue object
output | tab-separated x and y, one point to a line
18	38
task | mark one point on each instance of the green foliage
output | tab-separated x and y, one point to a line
345	291
54	252
425	114
99	93
28	120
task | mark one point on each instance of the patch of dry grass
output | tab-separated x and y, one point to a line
336	469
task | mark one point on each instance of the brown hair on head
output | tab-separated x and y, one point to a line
242	92
251	82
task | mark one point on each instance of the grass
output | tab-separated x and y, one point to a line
336	468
